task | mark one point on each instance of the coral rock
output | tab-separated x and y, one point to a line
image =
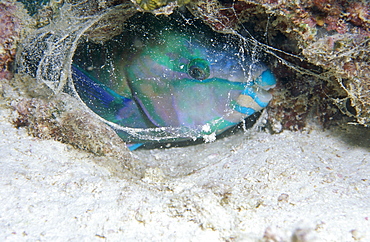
9	35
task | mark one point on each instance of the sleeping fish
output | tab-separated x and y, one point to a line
178	83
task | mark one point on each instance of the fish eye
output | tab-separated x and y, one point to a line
198	69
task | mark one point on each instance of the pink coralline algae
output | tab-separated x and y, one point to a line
359	14
9	34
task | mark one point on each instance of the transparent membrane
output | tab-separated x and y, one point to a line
94	39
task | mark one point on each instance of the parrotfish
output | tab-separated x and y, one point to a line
171	82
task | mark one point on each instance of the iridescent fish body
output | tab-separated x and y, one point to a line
178	84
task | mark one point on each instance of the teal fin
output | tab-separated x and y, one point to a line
107	103
133	147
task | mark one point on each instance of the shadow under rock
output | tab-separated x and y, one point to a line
354	135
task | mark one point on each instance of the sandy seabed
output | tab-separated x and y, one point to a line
254	186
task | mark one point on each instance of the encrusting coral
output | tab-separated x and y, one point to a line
329	35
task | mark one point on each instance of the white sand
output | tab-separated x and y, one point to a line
290	186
